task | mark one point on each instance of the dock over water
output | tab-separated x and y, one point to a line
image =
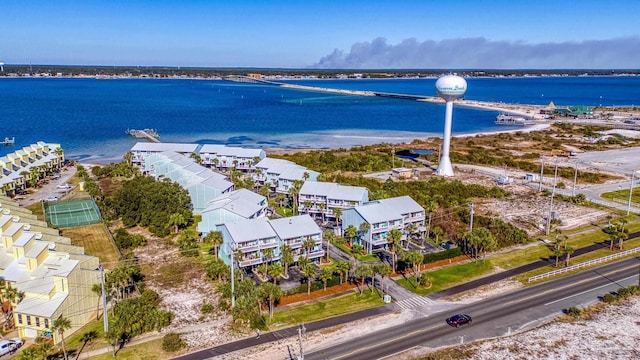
149	134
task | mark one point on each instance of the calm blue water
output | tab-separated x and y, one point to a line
89	117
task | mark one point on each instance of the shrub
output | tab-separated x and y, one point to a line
442	255
172	342
206	308
609	298
574	311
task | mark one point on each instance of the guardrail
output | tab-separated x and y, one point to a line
584	264
626	202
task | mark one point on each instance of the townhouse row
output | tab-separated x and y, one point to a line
18	168
51	277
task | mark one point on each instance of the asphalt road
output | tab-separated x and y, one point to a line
492	317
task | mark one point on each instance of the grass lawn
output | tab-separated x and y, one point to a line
96	242
325	309
150	350
629	244
525	256
346	249
450	276
624	194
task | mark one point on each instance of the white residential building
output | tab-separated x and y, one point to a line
143	150
382	216
224	157
203	184
247	239
320	199
231	207
280	174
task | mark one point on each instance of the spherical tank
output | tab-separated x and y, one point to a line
451	87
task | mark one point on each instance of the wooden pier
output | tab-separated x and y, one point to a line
149	134
8	141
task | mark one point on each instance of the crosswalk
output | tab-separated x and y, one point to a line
414	302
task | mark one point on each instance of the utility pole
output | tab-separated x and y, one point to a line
553	191
301	331
575	177
104	301
233	292
541	173
631	191
393	157
471	217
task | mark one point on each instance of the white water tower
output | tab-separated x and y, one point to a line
449	87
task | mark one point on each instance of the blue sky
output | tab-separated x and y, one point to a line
323	34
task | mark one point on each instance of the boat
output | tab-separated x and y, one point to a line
8	141
516	120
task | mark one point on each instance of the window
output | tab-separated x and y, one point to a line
37	321
28	319
19	318
46	323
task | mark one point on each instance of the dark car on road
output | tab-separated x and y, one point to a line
459	319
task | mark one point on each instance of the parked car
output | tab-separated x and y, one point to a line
52	198
64	186
459	319
7	346
18	341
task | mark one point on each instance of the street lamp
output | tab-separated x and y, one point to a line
553	191
631	191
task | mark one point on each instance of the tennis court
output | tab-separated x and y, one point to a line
72	213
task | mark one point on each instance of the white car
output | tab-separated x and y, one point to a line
7	346
64	186
52	198
18	341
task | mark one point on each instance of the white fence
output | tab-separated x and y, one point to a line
584	264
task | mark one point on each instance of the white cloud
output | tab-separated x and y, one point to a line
480	53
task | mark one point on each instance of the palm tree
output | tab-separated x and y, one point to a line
59	153
44	348
342	267
364	227
431	208
128	157
308	244
337	212
293	193
383	269
325	275
34	176
393	239
557	253
176	220
215	239
276	270
287	258
86	338
362	272
415	259
351	232
271	293
30	353
568	250
97	289
60	325
323	208
309	271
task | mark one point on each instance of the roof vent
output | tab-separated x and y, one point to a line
289	221
6	211
16	218
27	227
38	236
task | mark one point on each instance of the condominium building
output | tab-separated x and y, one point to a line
52	278
247	240
231	207
142	150
224	157
320	199
382	216
281	174
20	167
203	184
